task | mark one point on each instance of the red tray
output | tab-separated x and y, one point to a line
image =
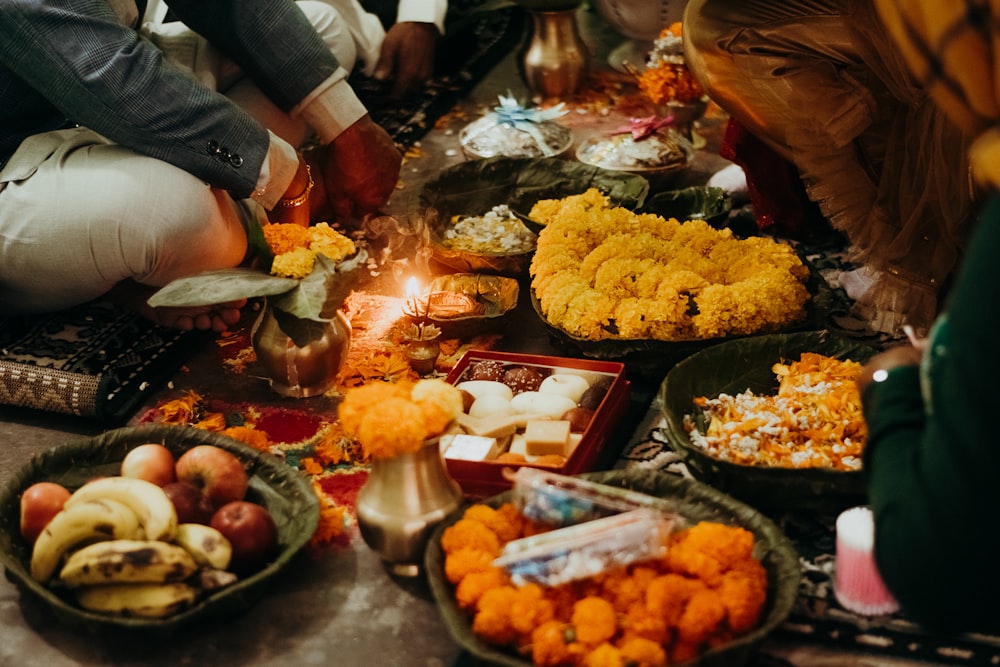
480	479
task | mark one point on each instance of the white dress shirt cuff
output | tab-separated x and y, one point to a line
423	11
331	108
277	172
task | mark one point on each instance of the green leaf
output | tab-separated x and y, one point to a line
212	287
257	248
318	296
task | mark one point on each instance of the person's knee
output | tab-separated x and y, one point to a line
332	30
202	232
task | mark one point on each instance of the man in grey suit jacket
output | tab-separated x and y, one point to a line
131	153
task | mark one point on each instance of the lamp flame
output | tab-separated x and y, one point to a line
412	288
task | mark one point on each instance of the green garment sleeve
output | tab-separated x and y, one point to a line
932	459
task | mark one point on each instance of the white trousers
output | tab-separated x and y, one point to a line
79	213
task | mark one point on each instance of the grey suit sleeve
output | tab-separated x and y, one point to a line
103	75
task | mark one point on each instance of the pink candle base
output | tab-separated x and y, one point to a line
858	584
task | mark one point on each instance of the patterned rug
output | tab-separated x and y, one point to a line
96	361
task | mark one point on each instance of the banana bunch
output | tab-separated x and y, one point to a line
118	546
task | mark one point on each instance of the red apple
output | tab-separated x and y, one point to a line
39	503
190	502
216	471
152	462
251	531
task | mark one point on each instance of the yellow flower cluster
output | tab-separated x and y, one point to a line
708	590
601	272
295	247
389	419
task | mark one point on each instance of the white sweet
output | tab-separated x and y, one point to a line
565	384
490	405
480	388
540	405
472	448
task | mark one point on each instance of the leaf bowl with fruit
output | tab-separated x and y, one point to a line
150	528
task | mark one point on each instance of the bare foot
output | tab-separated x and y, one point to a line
218	317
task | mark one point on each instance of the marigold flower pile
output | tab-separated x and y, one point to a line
708	590
295	247
667	77
603	273
813	421
394	418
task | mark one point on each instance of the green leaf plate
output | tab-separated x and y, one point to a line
743	364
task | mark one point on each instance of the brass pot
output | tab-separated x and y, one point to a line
295	371
556	59
404	499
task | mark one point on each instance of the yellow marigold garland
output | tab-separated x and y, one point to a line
602	272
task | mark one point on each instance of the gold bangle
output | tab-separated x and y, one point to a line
302	198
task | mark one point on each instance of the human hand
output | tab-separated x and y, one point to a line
362	167
904	355
407	57
294	206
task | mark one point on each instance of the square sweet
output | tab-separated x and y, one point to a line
472	448
548	436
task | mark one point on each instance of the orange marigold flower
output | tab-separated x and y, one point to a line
441	402
475	584
357	401
468	533
285	237
640	622
212	421
332	447
395	426
493	620
505	521
180	410
744	592
701	618
251	436
642	652
436	418
605	655
310	466
670	82
530	609
708	549
594	620
624	587
462	562
668	594
332	519
549	645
